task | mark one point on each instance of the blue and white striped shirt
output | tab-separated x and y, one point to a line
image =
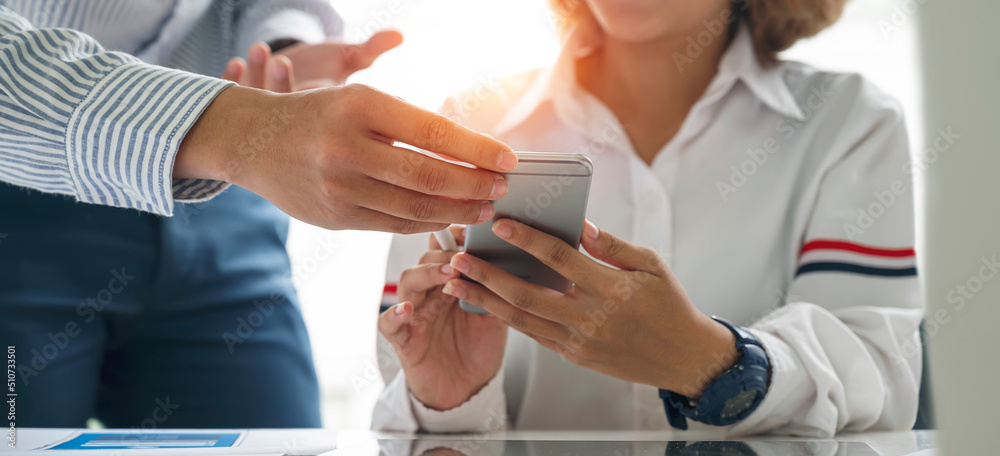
84	108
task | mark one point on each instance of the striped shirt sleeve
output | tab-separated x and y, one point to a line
101	126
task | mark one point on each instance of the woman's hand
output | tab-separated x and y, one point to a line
635	322
448	355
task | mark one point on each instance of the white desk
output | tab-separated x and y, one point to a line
316	441
887	443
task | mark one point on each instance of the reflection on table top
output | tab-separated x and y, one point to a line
629	443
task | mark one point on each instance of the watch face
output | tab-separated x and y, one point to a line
738	404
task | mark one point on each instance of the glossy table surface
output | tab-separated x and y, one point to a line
886	443
332	442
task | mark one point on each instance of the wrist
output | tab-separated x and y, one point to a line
443	398
731	397
210	150
716	354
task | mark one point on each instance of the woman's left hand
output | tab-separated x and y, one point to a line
632	321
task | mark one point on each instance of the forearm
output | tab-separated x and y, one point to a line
853	370
219	144
101	126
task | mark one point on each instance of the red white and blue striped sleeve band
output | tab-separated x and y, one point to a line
389	297
834	255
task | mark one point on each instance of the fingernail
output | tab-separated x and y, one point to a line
485	213
460	263
507	161
279	72
398	310
257	54
232	66
499	188
457	291
503	229
447	269
590	230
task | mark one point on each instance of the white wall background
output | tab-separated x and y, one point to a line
451	44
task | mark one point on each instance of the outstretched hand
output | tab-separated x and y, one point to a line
308	66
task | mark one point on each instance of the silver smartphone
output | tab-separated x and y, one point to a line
547	191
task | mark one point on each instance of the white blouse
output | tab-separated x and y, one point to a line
784	204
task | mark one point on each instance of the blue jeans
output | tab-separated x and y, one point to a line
150	322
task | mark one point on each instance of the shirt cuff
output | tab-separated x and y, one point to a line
485	411
283	23
786	377
124	137
197	190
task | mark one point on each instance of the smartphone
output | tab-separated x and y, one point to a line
547	191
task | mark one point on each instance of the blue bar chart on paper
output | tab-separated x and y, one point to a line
147	440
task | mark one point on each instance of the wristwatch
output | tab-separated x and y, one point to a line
732	396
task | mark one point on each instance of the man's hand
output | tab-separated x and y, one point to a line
261	70
330	63
308	66
327	157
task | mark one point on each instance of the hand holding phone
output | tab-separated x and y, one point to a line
547	191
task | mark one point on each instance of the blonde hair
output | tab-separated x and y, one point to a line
775	25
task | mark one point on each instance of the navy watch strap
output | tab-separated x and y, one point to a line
733	395
673	403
